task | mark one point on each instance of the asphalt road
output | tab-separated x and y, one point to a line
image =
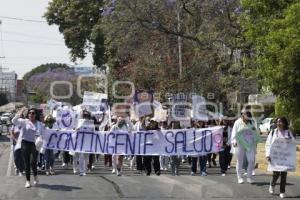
101	184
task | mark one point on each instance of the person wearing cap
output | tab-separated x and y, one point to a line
243	123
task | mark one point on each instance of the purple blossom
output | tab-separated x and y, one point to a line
107	11
170	3
238	10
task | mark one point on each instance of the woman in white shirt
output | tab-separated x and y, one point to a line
282	131
31	128
244	123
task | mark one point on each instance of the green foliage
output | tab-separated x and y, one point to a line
273	27
79	22
39	97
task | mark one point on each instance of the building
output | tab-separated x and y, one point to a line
8	84
84	70
20	96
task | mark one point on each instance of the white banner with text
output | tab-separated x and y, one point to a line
163	142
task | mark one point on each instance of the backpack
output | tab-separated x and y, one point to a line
272	132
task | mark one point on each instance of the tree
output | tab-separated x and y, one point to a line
142	39
39	81
78	21
273	29
139	39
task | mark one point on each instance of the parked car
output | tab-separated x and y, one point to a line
5	118
265	125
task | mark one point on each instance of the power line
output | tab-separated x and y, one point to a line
32	42
34	57
2	45
32	36
22	19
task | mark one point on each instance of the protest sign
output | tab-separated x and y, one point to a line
160	114
143	103
165	142
93	101
199	108
282	155
179	108
66	118
52	104
248	138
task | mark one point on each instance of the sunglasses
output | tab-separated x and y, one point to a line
33	113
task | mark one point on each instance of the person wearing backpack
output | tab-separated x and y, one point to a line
282	131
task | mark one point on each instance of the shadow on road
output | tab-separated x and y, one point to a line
266	183
58	187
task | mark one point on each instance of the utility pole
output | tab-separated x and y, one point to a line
179	42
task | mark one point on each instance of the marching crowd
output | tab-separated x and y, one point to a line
29	155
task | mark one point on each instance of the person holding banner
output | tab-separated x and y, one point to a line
244	139
31	128
202	158
224	154
49	153
280	133
175	159
147	159
140	125
121	125
84	124
164	160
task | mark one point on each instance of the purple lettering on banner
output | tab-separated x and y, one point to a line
108	146
101	145
131	146
204	140
177	141
50	140
82	139
185	147
167	142
59	140
118	143
200	140
167	139
140	141
71	143
92	142
145	141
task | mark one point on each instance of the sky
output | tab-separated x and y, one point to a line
25	44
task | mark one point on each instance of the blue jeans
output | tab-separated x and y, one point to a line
49	159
